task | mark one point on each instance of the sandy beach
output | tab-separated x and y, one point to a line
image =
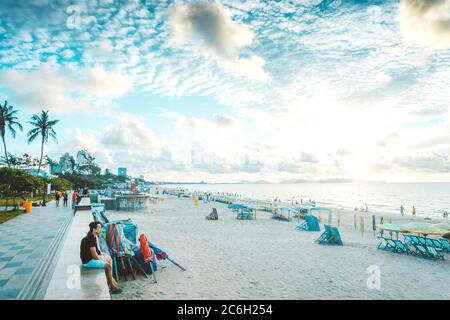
269	259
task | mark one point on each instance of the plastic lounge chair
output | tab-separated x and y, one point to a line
385	244
434	253
400	247
302	226
330	236
445	245
310	224
382	245
422	249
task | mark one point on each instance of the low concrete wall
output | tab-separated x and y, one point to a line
133	202
70	281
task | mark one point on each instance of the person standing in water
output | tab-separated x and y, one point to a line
414	211
402	209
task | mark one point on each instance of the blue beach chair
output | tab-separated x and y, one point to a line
445	245
330	236
422	248
311	223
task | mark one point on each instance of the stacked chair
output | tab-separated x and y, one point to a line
331	236
311	223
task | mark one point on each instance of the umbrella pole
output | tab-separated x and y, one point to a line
176	264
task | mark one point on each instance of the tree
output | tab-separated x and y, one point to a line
29	161
8	120
11	160
43	126
60	184
15	182
89	167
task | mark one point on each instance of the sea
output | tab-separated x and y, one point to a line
429	199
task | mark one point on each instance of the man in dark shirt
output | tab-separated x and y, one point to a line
91	256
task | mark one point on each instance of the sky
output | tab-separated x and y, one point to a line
226	91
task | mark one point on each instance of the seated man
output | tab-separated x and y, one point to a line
91	256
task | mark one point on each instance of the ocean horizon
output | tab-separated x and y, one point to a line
429	198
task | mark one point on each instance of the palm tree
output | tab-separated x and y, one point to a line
8	120
43	126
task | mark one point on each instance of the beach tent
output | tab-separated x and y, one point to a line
319	210
279	213
237	206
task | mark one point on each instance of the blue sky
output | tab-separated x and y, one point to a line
236	90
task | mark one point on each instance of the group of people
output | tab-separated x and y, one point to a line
64	195
76	196
402	210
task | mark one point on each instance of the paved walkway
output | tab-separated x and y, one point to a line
23	242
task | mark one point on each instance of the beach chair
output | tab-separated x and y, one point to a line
385	244
382	244
121	251
400	247
445	245
310	224
331	236
422	249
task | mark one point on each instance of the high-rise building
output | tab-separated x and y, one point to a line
122	172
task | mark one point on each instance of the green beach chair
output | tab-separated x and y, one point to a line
422	249
311	223
331	236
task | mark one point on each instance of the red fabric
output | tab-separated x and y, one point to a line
74	196
145	249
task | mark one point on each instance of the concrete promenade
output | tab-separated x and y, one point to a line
25	242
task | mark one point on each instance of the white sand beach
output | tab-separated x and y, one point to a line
269	259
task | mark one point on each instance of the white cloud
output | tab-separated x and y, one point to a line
426	22
221	36
63	90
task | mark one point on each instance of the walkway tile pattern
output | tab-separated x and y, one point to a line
23	242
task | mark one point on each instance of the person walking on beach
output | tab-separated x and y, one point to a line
414	211
65	196
92	258
57	197
402	209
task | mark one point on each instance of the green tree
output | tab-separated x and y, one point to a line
11	160
60	184
16	182
8	120
43	126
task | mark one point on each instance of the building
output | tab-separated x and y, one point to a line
122	172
